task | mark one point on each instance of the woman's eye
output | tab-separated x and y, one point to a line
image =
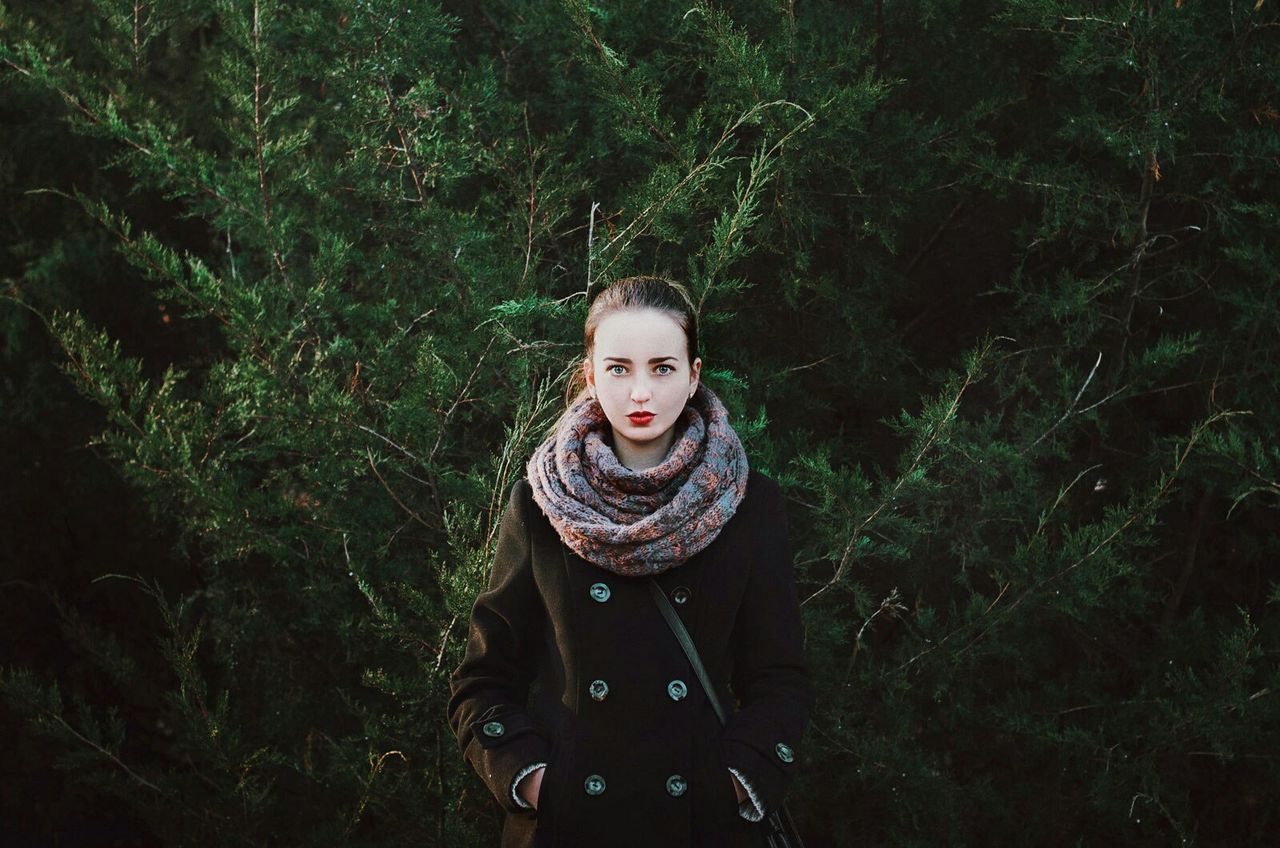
670	369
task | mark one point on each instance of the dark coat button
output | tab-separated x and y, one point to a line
681	595
494	728
599	592
784	752
677	690
599	689
676	785
594	784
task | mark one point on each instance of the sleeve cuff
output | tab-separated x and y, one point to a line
521	775
500	744
751	809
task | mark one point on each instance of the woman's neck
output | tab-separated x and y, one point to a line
638	456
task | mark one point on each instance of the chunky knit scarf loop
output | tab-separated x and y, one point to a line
637	523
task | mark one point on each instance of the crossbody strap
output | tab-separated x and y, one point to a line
781	831
677	627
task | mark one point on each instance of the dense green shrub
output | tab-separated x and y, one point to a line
990	287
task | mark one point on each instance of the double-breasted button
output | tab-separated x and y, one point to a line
594	784
599	592
494	728
784	752
676	785
681	594
677	690
599	689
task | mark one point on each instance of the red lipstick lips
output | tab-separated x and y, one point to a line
640	417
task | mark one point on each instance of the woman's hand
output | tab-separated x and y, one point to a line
738	788
530	787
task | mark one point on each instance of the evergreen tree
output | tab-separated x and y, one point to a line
990	288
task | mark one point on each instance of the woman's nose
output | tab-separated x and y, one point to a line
640	392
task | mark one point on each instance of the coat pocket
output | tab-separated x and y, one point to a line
731	791
549	792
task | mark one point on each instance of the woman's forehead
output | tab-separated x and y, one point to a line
639	333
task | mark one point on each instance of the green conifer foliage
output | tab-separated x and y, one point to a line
989	287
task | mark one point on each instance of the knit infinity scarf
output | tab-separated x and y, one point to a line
638	523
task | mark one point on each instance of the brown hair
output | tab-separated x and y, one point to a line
641	292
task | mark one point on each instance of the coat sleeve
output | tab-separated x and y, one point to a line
490	688
771	678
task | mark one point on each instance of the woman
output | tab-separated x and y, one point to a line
641	477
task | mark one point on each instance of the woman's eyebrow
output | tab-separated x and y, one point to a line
628	361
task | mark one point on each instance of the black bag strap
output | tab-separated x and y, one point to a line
677	627
781	829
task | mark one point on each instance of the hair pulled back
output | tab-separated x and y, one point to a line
640	292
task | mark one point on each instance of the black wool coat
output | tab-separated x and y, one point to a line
570	664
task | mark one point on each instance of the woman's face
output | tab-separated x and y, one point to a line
641	364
